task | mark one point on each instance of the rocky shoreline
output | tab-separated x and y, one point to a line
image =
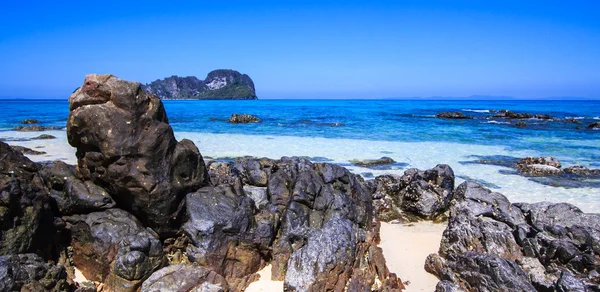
142	211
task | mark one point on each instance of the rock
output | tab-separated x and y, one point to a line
183	278
543	117
29	272
373	162
30	121
434	264
243	119
573	121
568	282
581	171
219	84
258	195
43	137
447	286
593	126
386	196
539	166
537	273
113	247
521	124
452	115
512	115
73	196
25	208
482	272
427	193
115	127
26	150
35	128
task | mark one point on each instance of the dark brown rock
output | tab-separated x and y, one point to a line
125	145
373	162
26	150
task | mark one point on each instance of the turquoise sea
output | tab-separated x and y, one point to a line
339	131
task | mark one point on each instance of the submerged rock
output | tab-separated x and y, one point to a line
35	128
26	150
512	115
593	126
452	115
373	162
30	121
539	166
243	119
43	137
126	146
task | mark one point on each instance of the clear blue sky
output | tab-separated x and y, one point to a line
309	49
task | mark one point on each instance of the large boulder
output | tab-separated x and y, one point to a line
115	248
316	226
26	215
126	146
491	243
29	272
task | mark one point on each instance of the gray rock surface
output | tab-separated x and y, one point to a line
29	272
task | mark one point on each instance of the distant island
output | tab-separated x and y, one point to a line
219	84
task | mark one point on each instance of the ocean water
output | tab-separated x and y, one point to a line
339	131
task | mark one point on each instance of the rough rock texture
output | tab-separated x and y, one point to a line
113	247
29	272
243	119
35	128
316	228
490	243
26	150
73	196
219	84
25	208
452	115
421	194
126	146
183	278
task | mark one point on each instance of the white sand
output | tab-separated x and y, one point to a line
405	249
79	277
265	283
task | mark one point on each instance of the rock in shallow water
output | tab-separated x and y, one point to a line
125	145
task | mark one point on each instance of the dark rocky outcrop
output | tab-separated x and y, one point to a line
126	146
115	248
26	150
543	117
512	115
417	194
219	84
243	119
29	272
491	244
26	215
452	115
539	166
30	121
593	126
521	124
35	128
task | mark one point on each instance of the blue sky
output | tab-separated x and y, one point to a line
309	49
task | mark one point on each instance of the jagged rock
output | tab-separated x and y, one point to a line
482	272
29	272
373	162
447	286
30	121
243	119
115	248
452	115
386	190
258	195
593	126
434	264
543	116
26	150
73	196
25	208
35	128
427	193
581	171
183	278
568	282
43	137
512	115
126	146
537	273
572	121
